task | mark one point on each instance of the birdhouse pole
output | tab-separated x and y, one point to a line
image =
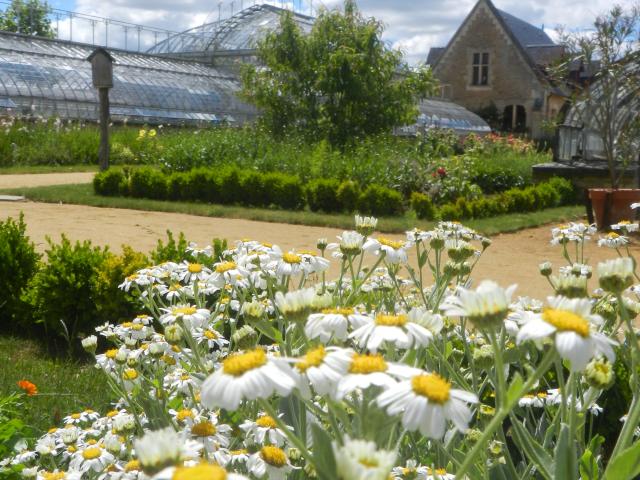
102	74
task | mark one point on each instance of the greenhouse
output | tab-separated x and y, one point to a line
53	78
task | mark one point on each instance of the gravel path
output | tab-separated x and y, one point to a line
44	179
513	258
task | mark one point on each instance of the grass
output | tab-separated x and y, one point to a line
84	195
64	386
29	169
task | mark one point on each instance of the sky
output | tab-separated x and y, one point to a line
412	26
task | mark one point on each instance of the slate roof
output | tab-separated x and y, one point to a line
434	55
526	34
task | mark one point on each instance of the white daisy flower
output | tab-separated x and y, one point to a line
231	457
537	400
227	273
331	323
487	306
361	460
93	457
625	226
192	316
246	376
572	325
613	240
201	470
366	370
426	401
264	429
415	329
211	434
160	448
395	251
323	368
617	274
137	279
270	462
365	225
191	272
350	244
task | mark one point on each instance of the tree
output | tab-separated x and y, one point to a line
28	17
609	101
339	82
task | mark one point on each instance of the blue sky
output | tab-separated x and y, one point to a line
413	26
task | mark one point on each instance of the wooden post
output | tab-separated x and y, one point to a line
103	152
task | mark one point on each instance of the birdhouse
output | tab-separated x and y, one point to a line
101	68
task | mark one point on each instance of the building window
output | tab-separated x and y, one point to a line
480	69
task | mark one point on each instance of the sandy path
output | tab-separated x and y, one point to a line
513	258
44	179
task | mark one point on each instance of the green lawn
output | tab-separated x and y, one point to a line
64	386
84	195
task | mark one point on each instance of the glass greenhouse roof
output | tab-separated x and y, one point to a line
447	115
53	78
240	32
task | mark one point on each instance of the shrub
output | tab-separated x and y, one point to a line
423	206
202	185
112	182
61	293
253	191
322	195
148	182
284	191
545	196
565	189
18	264
450	212
172	251
498	180
112	303
382	201
348	194
178	186
230	187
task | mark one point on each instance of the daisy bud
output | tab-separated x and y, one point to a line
69	435
570	286
545	269
130	342
365	225
29	472
294	454
599	374
124	423
616	275
465	268
173	334
437	242
157	349
486	243
112	443
473	435
132	360
252	310
159	449
607	310
451	269
245	337
90	344
484	356
121	357
321	244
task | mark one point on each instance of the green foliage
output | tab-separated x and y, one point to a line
62	293
423	206
382	201
340	81
172	251
28	17
113	304
322	194
18	264
12	429
348	193
148	182
202	184
285	191
111	182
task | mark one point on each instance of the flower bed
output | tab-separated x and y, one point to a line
256	365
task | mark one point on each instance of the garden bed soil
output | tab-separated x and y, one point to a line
513	257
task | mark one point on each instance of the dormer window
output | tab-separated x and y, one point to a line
480	69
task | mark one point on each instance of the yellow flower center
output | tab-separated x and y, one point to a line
53	475
391	320
210	334
225	267
338	311
368	462
76	416
566	321
365	363
204	429
612	235
132	465
91	453
291	258
240	363
184	311
242	451
431	386
267	244
129	374
194	268
266	421
396	245
183	414
313	358
273	456
200	472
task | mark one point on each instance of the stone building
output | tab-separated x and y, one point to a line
496	59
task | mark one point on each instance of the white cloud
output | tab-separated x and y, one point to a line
413	26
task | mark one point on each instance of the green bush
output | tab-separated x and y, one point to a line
253	190
18	264
178	186
348	194
148	182
112	182
449	212
565	189
423	206
284	191
62	294
322	195
545	196
202	185
230	186
171	251
381	201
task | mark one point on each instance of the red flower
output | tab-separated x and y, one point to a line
29	388
442	172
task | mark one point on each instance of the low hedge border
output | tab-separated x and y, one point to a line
231	185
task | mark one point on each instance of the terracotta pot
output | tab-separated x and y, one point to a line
620	209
